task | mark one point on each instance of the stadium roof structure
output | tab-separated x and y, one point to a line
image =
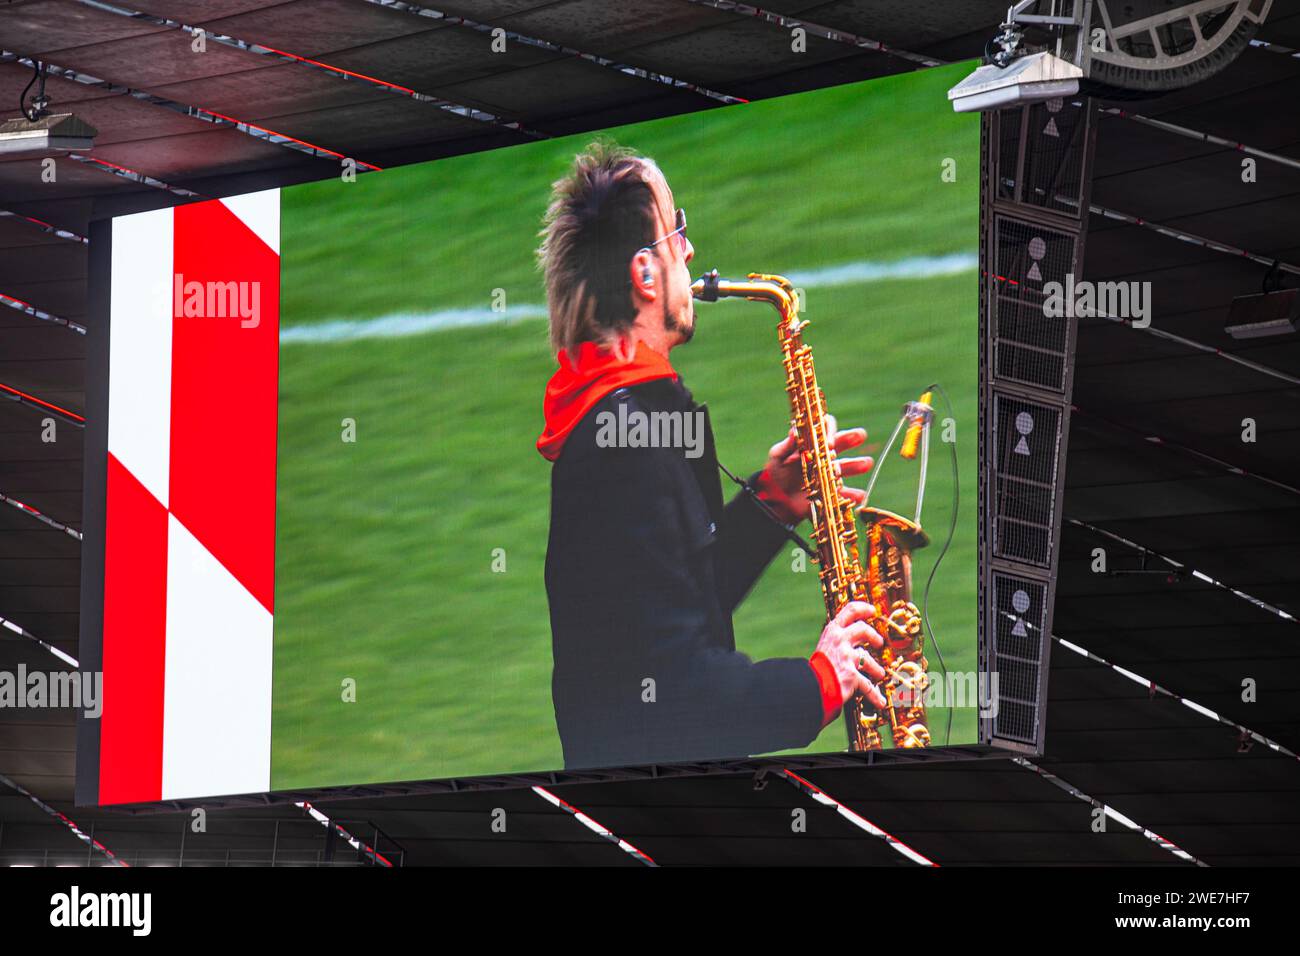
1146	713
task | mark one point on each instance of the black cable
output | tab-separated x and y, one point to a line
988	50
952	529
22	98
769	512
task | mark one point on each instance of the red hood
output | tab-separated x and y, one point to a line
576	387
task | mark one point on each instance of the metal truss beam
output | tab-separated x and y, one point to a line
599	829
862	823
1110	812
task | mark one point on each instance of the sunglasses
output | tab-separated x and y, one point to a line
679	232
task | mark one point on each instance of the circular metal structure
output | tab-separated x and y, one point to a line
1144	47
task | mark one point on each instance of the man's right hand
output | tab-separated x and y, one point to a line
844	643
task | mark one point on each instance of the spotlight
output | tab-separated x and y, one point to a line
56	131
1274	311
1029	79
39	130
1263	314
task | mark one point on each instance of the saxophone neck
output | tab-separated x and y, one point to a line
756	287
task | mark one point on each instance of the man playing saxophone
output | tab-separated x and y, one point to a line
645	564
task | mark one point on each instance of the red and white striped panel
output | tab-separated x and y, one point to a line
190	534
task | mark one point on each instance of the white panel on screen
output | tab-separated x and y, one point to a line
140	354
260	212
217	706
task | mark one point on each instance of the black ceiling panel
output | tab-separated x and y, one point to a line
312	28
156	59
735	52
279	88
49	27
610	30
439	56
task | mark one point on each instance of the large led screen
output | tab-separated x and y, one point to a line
443	471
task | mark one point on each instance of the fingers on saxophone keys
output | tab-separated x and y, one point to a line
855	495
854	611
861	633
849	438
854	466
868	666
871	692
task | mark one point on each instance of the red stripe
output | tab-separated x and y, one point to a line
292	139
40	401
224	395
135	623
338	69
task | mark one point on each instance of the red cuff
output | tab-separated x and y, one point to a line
829	686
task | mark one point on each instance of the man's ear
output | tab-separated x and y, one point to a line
642	272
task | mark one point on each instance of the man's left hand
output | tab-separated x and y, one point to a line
781	483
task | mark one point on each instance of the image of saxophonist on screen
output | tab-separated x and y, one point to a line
645	564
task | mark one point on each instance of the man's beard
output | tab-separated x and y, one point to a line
673	324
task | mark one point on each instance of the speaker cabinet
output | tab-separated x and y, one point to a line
1034	201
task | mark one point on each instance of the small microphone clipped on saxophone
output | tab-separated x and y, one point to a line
885	581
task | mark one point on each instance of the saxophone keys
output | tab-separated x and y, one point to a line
912	737
904	623
908	685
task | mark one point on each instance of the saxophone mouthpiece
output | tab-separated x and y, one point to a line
705	288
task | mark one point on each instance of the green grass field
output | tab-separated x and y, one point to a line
384	546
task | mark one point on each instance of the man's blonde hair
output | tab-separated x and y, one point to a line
601	214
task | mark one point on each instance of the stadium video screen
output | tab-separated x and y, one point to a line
473	468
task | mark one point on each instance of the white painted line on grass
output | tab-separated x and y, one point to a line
417	323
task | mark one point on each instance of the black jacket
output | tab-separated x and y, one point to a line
644	567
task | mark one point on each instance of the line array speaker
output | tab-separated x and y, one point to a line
1034	194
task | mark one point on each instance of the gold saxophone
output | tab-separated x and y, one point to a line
886	581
